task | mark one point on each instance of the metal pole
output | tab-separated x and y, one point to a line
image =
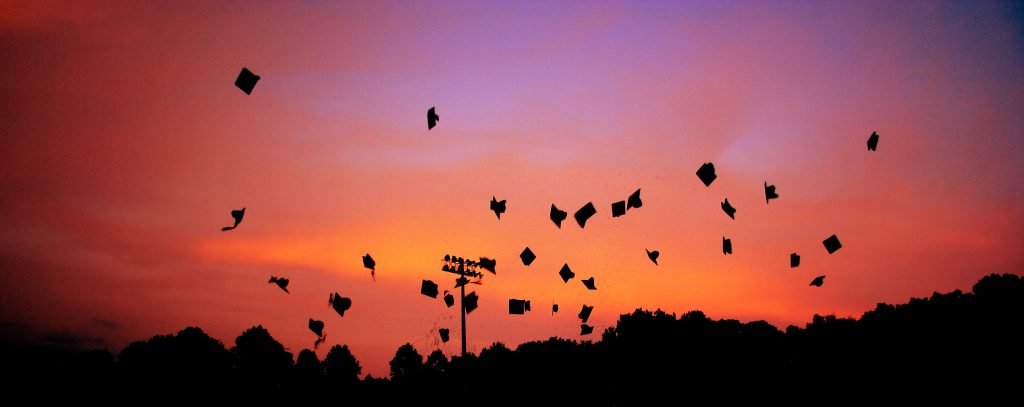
462	304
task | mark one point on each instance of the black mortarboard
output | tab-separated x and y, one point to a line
634	200
589	283
584	314
489	264
429	289
618	209
527	256
237	215
443	332
566	273
527	305
554	309
729	210
818	281
586	329
558	215
794	260
873	141
461	281
368	262
832	244
246	81
280	281
498	207
339	303
769	192
517	307
653	255
432	118
585	213
470	302
726	246
706	173
449	299
316	326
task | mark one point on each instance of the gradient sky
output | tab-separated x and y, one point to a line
126	144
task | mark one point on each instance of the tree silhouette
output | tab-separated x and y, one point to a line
406	365
262	362
341	367
190	359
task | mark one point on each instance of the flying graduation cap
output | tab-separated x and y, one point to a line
584	314
566	273
518	307
726	245
558	215
794	260
428	288
653	255
818	281
634	200
729	210
832	244
706	173
449	299
498	207
527	256
432	118
554	309
443	333
370	264
339	303
585	213
246	81
280	281
769	192
586	329
318	328
461	281
873	141
589	283
488	264
618	209
471	302
237	214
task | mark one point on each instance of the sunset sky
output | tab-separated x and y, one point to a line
126	144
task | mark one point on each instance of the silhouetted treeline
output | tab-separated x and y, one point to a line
960	345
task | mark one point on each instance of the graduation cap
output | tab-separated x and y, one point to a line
429	289
558	215
794	260
370	264
584	314
832	244
488	264
246	81
237	214
769	192
443	332
432	118
527	256
280	281
706	173
498	207
618	209
518	307
726	246
589	283
317	327
729	210
652	255
873	141
818	281
470	302
566	273
585	213
339	303
554	309
461	281
634	200
449	299
586	329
